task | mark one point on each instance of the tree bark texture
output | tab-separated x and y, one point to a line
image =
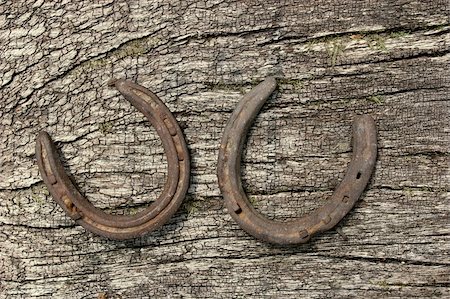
333	60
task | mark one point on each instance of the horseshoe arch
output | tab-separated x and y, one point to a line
120	227
323	218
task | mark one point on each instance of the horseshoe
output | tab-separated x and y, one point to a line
324	218
121	227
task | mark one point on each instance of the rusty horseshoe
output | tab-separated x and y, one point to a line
324	218
121	227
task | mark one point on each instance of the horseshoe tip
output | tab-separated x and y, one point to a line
271	79
364	117
116	83
364	120
271	82
43	135
112	82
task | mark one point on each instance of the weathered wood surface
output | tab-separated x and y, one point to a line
333	60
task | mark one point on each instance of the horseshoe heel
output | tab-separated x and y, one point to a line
121	227
299	230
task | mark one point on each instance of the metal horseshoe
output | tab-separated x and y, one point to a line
122	227
324	218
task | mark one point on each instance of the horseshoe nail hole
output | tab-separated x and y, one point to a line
345	199
326	220
358	176
304	234
52	179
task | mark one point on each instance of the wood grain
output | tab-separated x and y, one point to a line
332	59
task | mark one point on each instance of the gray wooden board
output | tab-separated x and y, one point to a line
332	59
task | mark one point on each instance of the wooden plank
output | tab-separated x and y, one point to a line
332	60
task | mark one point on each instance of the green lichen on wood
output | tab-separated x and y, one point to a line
253	201
297	84
335	45
376	99
335	48
39	194
133	48
399	34
105	127
376	41
191	206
